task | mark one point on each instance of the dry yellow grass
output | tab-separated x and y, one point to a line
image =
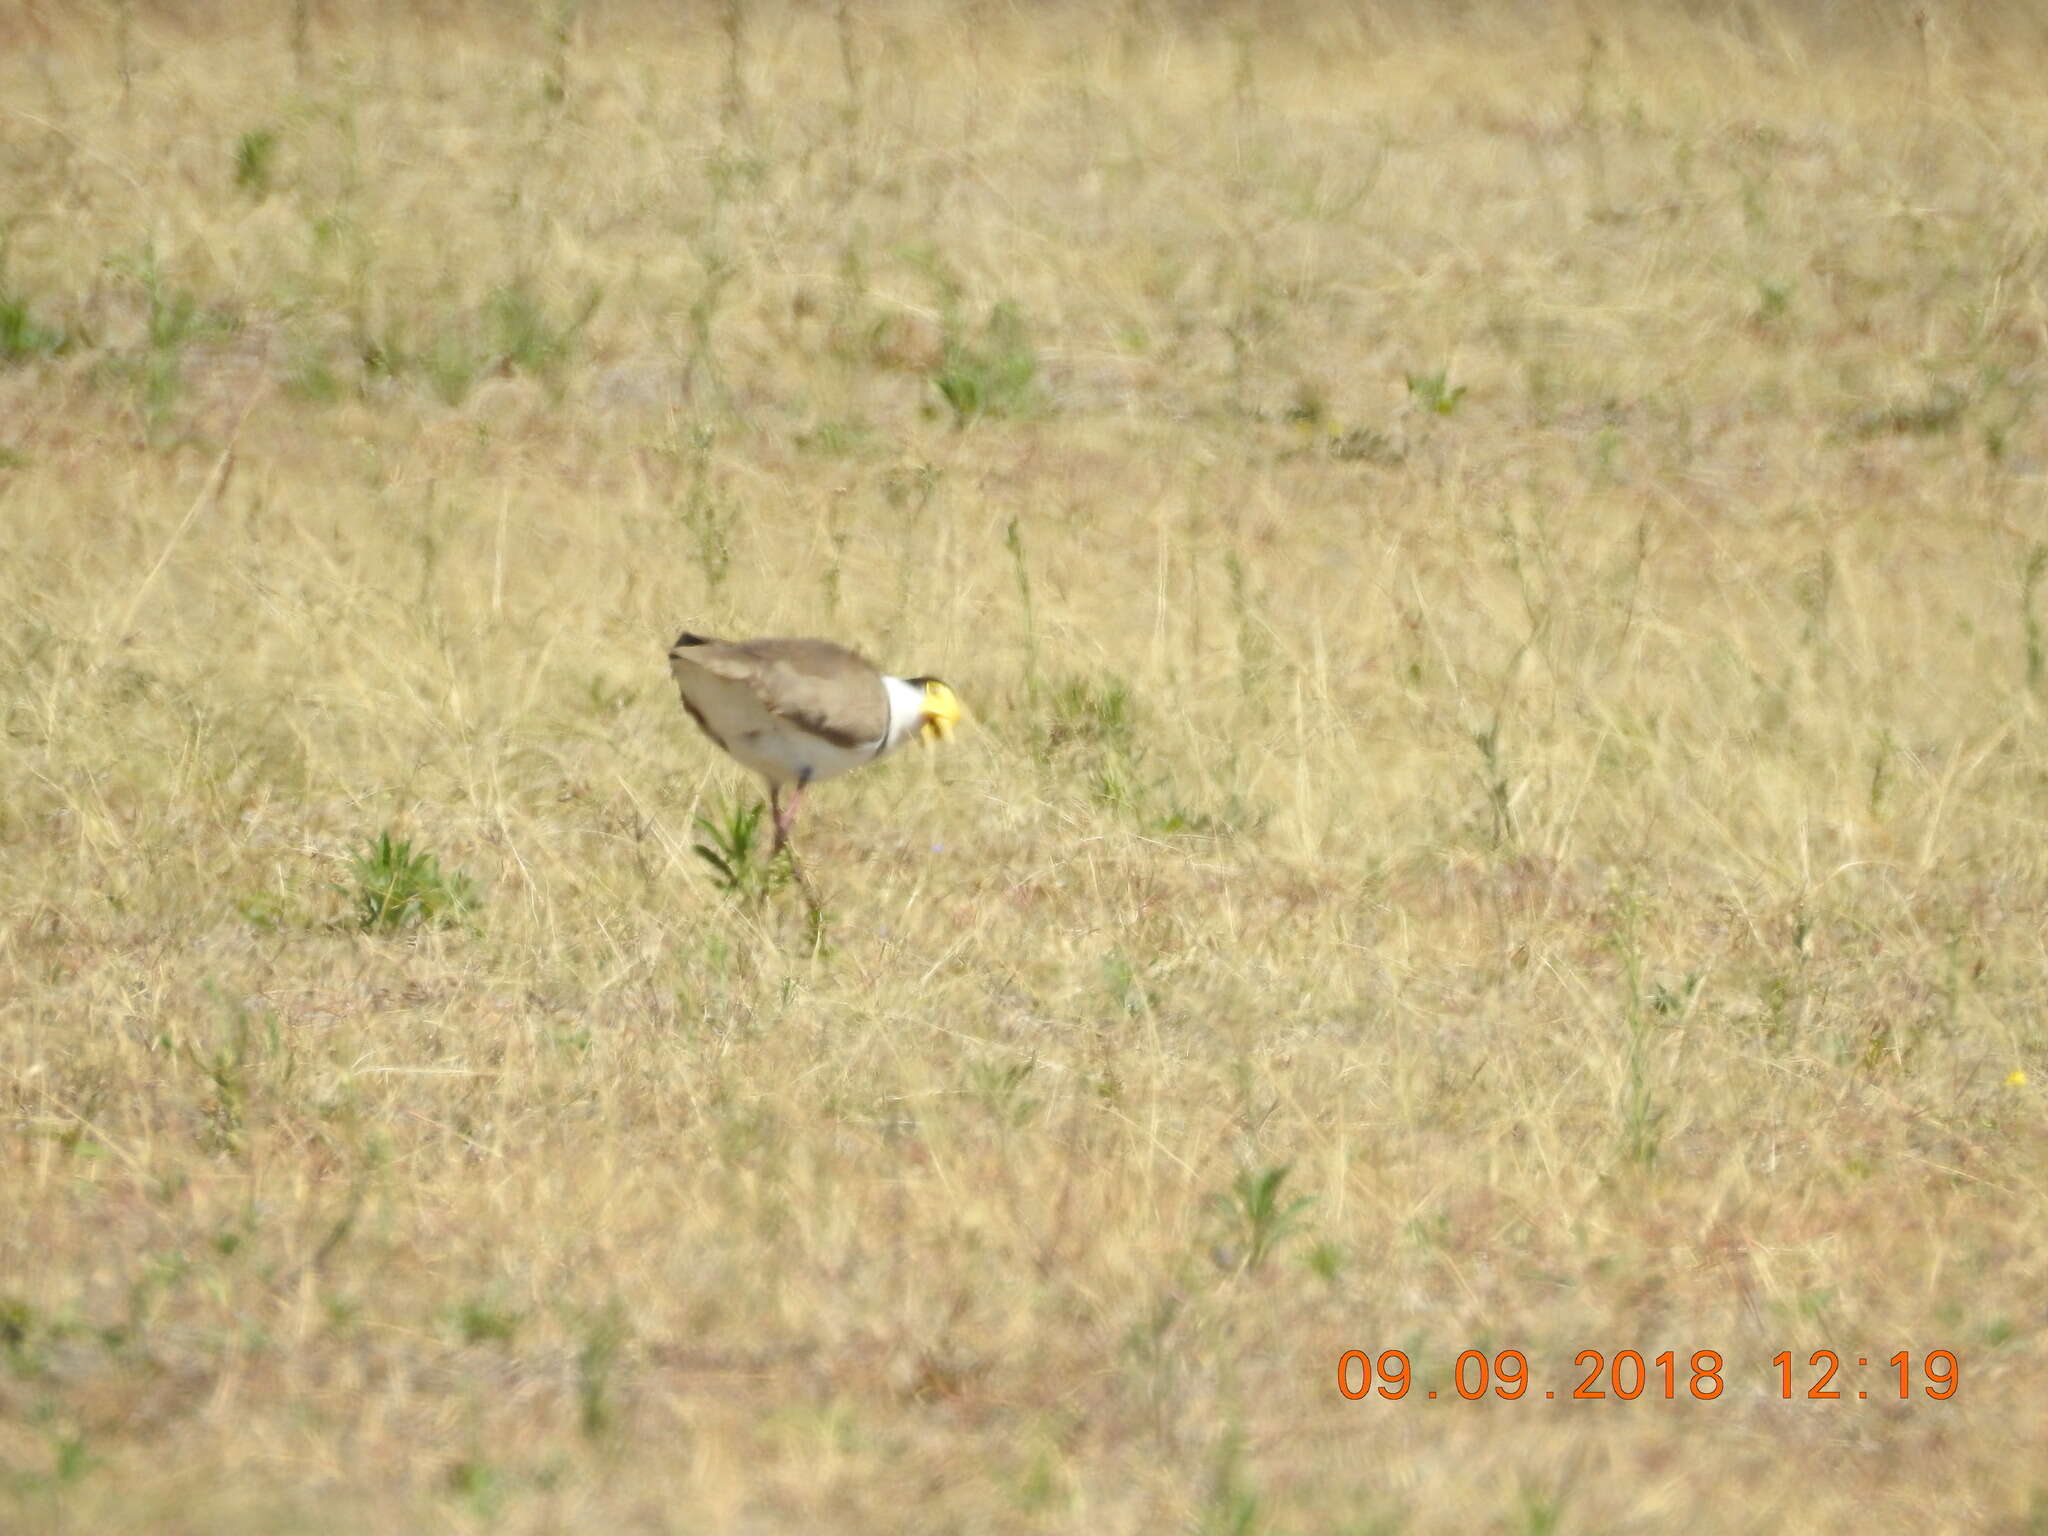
1505	637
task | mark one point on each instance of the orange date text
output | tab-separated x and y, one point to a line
1628	1374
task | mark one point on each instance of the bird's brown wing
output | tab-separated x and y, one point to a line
824	688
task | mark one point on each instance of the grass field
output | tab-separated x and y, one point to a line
1497	558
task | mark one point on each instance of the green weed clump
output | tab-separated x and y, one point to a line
255	157
736	844
22	336
1263	1219
993	372
396	886
1090	734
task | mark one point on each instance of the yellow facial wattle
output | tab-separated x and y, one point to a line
942	712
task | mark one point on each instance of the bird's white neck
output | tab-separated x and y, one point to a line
906	712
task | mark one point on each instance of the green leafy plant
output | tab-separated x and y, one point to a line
397	886
173	318
701	320
1001	1086
71	1457
524	333
485	1320
310	372
254	153
452	363
1264	1218
561	31
1233	1507
1098	713
707	513
1500	796
1434	392
991	375
604	1335
1366	445
174	315
736	847
1126	987
450	359
1940	409
1091	730
515	331
1773	301
479	1485
22	336
838	439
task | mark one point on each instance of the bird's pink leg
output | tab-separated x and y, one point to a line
785	823
785	814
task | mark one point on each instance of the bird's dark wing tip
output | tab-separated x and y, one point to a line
686	638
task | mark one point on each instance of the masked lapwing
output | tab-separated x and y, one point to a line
797	711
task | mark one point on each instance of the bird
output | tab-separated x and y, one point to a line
800	710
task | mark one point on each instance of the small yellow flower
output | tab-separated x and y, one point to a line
2018	1078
